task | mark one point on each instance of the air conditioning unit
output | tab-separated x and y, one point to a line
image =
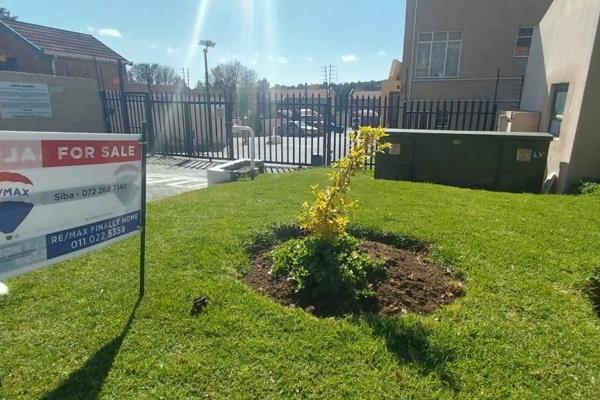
519	121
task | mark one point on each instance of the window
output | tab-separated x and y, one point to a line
523	42
8	64
438	54
558	107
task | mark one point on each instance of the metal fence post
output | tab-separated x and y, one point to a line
107	127
229	123
327	129
149	122
123	96
187	122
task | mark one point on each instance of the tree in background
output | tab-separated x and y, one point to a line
238	80
200	87
263	87
5	14
342	90
153	74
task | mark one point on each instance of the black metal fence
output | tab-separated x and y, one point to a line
294	130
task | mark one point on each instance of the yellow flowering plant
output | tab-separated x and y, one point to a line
327	216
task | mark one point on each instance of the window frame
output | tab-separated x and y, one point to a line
431	41
519	36
556	89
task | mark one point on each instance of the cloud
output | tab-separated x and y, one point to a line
110	32
308	59
349	58
153	46
172	50
281	60
381	53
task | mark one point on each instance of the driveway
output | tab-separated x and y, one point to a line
169	176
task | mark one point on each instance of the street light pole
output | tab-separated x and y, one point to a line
207	44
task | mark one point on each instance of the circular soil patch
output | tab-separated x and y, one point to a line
411	284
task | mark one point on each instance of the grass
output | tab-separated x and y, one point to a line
525	329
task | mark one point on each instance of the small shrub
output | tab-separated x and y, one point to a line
593	288
586	187
330	268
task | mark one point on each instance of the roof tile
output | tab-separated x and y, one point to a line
62	41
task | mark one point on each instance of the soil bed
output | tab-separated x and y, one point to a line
411	284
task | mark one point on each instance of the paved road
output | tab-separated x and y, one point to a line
169	176
166	176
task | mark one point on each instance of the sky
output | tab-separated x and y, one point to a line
285	41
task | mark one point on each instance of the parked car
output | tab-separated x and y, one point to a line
336	128
285	113
332	126
309	114
296	128
365	118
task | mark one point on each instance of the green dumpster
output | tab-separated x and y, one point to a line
505	161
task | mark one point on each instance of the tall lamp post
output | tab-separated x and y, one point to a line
207	44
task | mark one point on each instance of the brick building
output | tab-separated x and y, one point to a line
40	49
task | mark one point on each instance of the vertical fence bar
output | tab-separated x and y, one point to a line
229	123
471	116
479	115
444	116
272	133
124	110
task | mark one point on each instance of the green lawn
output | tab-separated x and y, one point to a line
524	330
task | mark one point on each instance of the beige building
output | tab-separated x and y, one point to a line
453	49
393	86
308	91
563	85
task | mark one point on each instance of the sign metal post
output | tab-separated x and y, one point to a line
144	143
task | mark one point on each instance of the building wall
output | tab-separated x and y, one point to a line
28	58
562	52
489	30
107	73
585	159
75	105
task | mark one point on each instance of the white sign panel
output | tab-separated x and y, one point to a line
24	100
64	194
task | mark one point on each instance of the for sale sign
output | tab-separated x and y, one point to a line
64	194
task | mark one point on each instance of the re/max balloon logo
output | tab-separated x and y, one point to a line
14	201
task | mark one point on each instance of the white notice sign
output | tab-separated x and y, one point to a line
24	100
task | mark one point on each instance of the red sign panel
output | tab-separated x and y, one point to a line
60	153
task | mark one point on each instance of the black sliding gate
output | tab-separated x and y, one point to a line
293	130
